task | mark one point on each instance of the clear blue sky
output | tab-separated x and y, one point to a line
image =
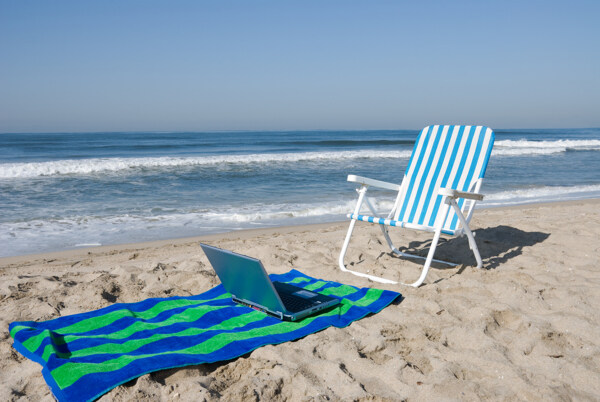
247	65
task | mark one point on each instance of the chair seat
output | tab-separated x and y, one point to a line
392	222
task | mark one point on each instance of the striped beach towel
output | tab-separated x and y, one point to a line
85	355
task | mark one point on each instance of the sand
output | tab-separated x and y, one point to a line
526	327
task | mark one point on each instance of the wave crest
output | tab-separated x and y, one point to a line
111	165
526	147
541	194
115	165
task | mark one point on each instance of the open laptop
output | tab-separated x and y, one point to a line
247	281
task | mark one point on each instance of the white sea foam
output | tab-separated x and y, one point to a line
541	194
524	147
40	235
116	165
108	165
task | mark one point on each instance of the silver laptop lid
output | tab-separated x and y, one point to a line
244	277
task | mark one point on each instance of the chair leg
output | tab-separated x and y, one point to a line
386	234
434	243
428	260
468	232
343	254
361	195
395	250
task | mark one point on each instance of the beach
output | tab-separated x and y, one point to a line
523	328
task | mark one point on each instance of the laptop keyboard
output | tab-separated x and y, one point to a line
295	303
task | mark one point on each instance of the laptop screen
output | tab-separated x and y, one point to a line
244	277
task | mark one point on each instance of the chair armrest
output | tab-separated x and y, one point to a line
460	194
375	183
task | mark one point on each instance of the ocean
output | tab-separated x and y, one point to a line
61	191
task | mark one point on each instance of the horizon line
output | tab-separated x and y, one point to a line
268	130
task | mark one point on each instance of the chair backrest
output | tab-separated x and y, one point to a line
443	157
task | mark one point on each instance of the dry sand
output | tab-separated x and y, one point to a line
524	328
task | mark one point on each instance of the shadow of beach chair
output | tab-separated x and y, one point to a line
438	192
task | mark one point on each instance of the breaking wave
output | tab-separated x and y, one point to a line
116	165
112	165
541	194
525	147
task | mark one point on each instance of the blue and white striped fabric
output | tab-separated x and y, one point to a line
453	157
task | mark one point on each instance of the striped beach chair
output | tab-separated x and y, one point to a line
437	194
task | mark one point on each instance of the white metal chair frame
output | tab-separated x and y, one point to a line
450	197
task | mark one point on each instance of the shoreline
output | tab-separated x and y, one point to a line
240	233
